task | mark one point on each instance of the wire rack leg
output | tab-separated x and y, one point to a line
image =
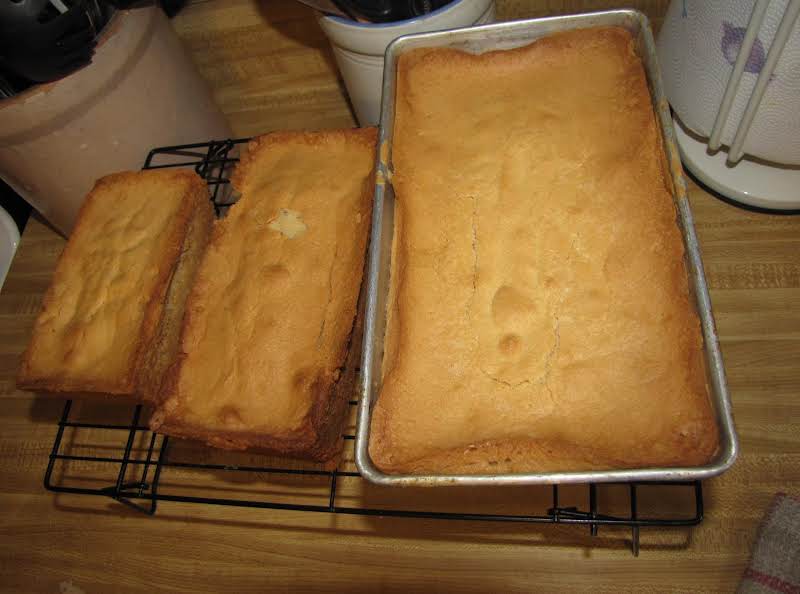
115	491
332	499
634	528
48	475
162	458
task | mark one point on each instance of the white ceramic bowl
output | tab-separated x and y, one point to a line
359	47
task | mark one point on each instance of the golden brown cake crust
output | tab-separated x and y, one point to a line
267	324
105	304
539	313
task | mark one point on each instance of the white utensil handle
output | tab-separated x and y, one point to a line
781	37
59	6
750	36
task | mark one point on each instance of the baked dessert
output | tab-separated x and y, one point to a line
110	321
268	321
539	316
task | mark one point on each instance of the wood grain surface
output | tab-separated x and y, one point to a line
270	68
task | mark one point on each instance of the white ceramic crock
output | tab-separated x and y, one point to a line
359	47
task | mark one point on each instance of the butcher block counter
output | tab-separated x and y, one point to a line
270	68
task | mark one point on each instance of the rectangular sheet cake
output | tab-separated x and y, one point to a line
539	311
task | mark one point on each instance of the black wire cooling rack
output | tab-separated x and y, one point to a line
108	450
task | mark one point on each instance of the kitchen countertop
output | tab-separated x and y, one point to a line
275	72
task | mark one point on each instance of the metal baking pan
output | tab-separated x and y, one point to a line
506	36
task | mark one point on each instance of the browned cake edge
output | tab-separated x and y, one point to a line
127	384
319	436
156	357
364	136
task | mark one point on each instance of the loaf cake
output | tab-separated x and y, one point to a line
110	321
539	314
268	321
